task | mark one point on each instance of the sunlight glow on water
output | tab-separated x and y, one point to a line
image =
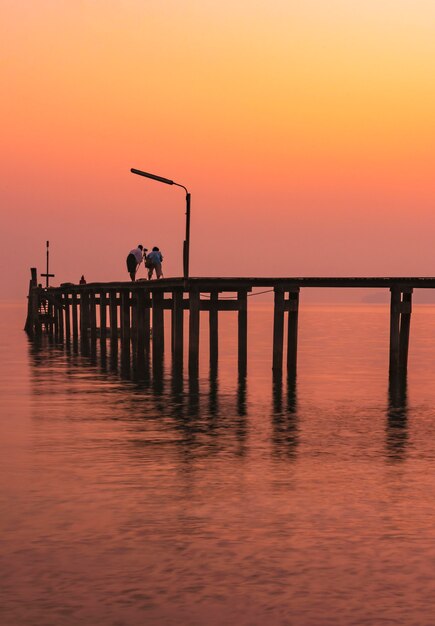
131	500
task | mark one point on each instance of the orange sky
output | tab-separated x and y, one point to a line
305	132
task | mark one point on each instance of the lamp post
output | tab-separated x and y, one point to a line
186	243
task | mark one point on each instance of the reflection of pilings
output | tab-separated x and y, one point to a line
241	394
397	418
285	431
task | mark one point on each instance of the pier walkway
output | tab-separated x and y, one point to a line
128	310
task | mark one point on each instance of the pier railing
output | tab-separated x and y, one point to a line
129	310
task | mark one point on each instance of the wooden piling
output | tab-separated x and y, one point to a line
177	326
134	323
214	329
242	301
194	304
140	324
103	316
67	310
93	317
146	319
84	315
125	317
113	317
405	323
29	326
75	328
395	329
292	331
278	329
158	326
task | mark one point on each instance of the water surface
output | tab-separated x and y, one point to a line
129	497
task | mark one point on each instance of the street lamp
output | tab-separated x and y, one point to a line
186	243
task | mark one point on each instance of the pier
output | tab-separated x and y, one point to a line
133	312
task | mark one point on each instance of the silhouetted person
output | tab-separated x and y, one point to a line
134	259
154	262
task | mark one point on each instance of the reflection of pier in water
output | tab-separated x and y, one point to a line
205	420
108	311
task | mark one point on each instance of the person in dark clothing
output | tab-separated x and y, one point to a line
134	259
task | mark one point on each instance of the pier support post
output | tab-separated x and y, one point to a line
141	329
400	320
75	326
213	330
278	329
242	301
31	319
292	334
84	322
134	316
67	308
125	318
158	326
113	318
405	323
177	327
103	317
93	317
194	311
146	318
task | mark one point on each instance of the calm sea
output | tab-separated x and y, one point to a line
128	498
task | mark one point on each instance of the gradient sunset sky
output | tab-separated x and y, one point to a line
305	132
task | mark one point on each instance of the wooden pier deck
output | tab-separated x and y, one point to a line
128	310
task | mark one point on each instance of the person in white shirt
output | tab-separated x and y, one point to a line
134	259
154	262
